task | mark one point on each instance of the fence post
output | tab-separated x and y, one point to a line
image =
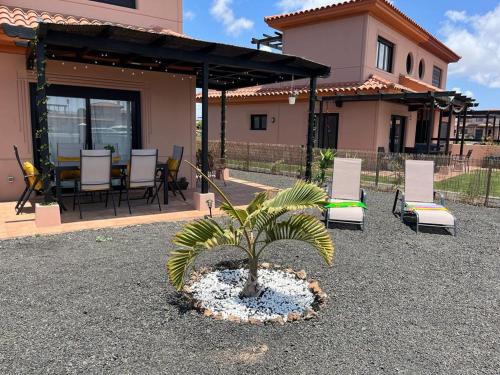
377	170
248	156
488	184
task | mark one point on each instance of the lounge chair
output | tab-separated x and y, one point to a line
347	199
418	198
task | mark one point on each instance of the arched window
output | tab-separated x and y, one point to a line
409	63
421	69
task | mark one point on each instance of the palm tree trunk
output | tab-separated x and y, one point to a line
251	288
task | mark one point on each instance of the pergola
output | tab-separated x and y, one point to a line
215	66
491	116
449	102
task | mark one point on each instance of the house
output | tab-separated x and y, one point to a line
119	72
386	90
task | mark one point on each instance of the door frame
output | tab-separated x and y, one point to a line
87	93
321	118
404	121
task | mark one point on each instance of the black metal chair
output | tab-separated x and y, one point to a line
141	174
32	184
173	166
95	176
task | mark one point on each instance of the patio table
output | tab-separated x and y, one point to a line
75	166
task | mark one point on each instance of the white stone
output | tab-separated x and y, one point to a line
282	294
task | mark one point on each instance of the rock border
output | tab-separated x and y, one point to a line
320	297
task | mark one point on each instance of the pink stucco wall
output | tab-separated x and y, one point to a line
168	110
149	13
362	125
403	46
339	44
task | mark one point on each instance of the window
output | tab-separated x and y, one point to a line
120	3
91	118
421	69
258	122
409	63
385	51
436	76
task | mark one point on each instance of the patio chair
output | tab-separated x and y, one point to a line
32	181
463	162
95	176
141	174
347	199
173	166
418	198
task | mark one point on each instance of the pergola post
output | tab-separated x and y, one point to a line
42	133
487	123
457	128
440	125
463	131
448	131
204	128
223	124
430	125
310	128
498	132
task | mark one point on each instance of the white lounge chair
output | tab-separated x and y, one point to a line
346	194
418	198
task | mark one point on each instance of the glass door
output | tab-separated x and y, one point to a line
89	118
397	134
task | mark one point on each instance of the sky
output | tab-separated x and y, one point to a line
470	27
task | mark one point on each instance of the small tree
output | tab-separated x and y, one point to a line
252	230
325	162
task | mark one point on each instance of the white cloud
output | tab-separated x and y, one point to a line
477	39
222	11
292	5
189	15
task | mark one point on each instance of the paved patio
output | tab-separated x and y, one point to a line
95	216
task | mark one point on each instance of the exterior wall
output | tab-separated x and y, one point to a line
402	47
167	110
478	151
385	111
362	125
337	43
149	13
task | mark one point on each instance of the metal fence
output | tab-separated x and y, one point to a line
475	181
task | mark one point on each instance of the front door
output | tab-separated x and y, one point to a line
328	130
397	134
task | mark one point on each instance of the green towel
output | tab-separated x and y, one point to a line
346	204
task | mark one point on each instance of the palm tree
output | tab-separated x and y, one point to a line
252	230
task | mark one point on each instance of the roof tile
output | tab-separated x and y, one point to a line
31	18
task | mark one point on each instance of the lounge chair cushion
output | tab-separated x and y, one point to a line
431	213
354	214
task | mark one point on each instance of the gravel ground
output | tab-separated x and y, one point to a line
399	303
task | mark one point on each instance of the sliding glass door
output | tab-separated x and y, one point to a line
90	118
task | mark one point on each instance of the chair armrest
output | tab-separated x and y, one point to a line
441	197
362	195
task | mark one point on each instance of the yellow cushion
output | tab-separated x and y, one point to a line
68	158
69	175
172	166
116	172
31	171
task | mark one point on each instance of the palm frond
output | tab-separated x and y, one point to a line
300	196
304	228
195	238
257	202
238	214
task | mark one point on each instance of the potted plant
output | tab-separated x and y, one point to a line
47	213
325	162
